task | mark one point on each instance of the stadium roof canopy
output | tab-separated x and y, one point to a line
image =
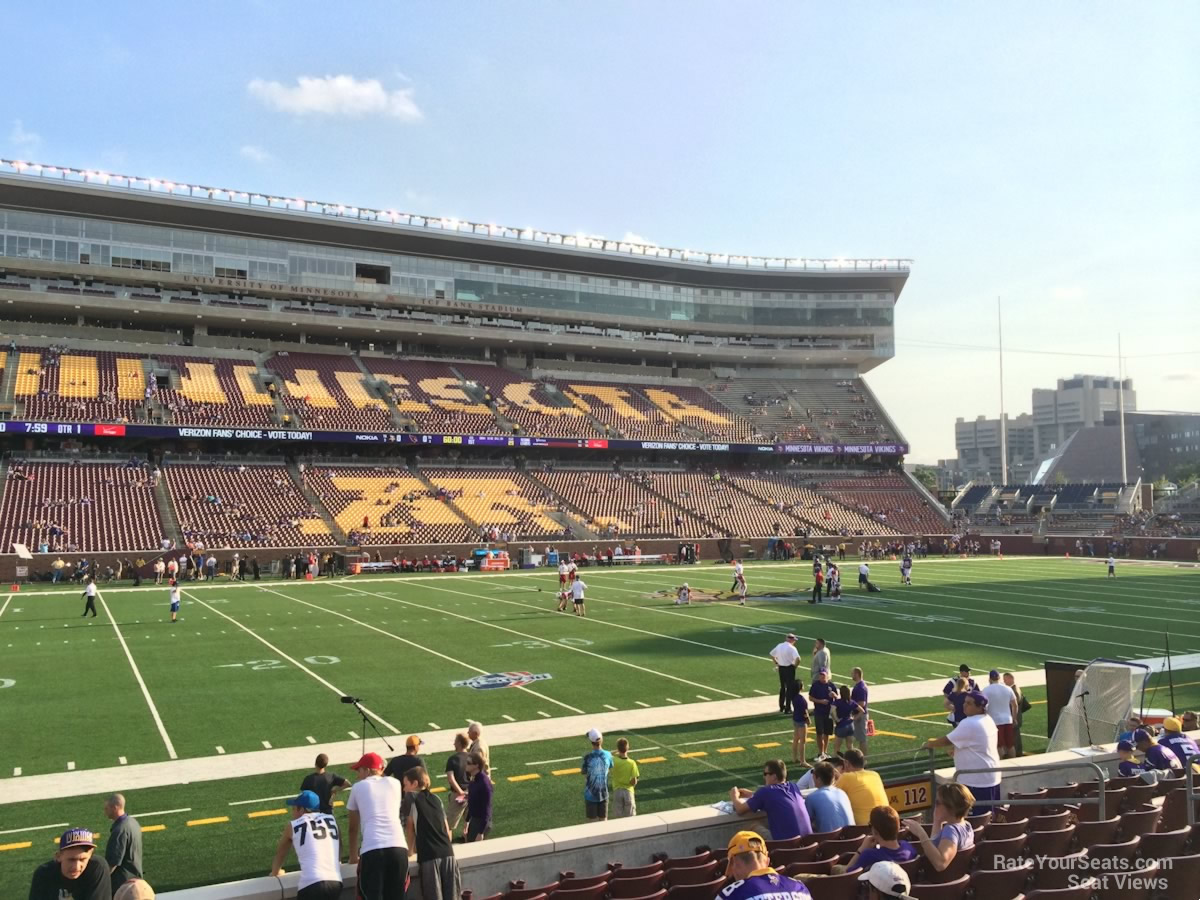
153	201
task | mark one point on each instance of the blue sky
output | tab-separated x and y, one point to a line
1045	153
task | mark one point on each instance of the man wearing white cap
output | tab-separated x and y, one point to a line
595	768
887	879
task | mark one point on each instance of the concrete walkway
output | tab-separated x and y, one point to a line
262	762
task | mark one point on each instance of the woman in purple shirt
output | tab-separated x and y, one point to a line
479	799
844	712
951	831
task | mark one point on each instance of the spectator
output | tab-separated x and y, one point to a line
799	723
964	671
374	813
786	658
807	782
1176	741
456	780
74	872
625	775
409	759
887	879
828	806
1188	719
951	831
1023	706
862	786
429	834
859	694
1132	724
323	784
787	816
1002	707
479	799
597	763
821	659
315	838
750	874
956	700
123	852
478	744
845	712
56	569
1157	756
974	743
1128	766
822	693
883	844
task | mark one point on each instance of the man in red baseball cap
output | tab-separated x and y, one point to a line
74	872
374	808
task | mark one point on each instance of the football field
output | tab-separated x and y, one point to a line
261	666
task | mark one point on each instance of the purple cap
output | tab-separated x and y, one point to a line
978	698
1142	735
822	671
1124	746
994	675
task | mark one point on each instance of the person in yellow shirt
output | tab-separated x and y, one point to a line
624	776
862	786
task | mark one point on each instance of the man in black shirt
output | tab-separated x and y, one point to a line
398	765
457	779
74	872
324	784
427	832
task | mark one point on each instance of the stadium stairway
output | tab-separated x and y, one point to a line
575	517
373	385
311	496
8	381
166	513
673	507
506	424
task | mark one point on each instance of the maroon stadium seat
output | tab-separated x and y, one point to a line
949	890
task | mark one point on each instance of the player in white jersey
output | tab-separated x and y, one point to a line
571	571
562	574
174	599
739	582
684	596
1112	567
577	589
315	837
89	594
906	570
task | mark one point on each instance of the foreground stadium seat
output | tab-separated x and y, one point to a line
1182	874
1050	821
1125	850
786	855
1140	886
1137	794
1051	843
593	892
786	844
705	891
1000	831
961	864
835	887
1028	810
569	881
682	862
1102	832
1139	822
1000	884
950	890
814	867
691	874
620	870
1055	872
1157	844
1174	810
1082	891
642	886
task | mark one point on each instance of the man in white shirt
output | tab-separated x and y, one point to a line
1112	567
89	594
974	746
315	838
786	658
577	596
374	808
864	575
1002	707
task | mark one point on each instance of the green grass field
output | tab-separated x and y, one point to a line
263	664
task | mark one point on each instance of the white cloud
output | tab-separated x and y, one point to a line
1068	293
1181	376
21	139
632	238
336	95
254	154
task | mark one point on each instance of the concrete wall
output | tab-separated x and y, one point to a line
537	856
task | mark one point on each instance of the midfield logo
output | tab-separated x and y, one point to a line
501	680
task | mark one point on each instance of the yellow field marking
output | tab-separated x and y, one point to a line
692	755
20	846
766	745
146	828
339	802
216	820
651	759
730	749
266	812
565	772
911	737
437	790
530	777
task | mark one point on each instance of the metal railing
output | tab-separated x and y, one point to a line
199	193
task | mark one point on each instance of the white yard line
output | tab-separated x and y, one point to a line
38	828
299	665
553	643
5	606
417	646
141	683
